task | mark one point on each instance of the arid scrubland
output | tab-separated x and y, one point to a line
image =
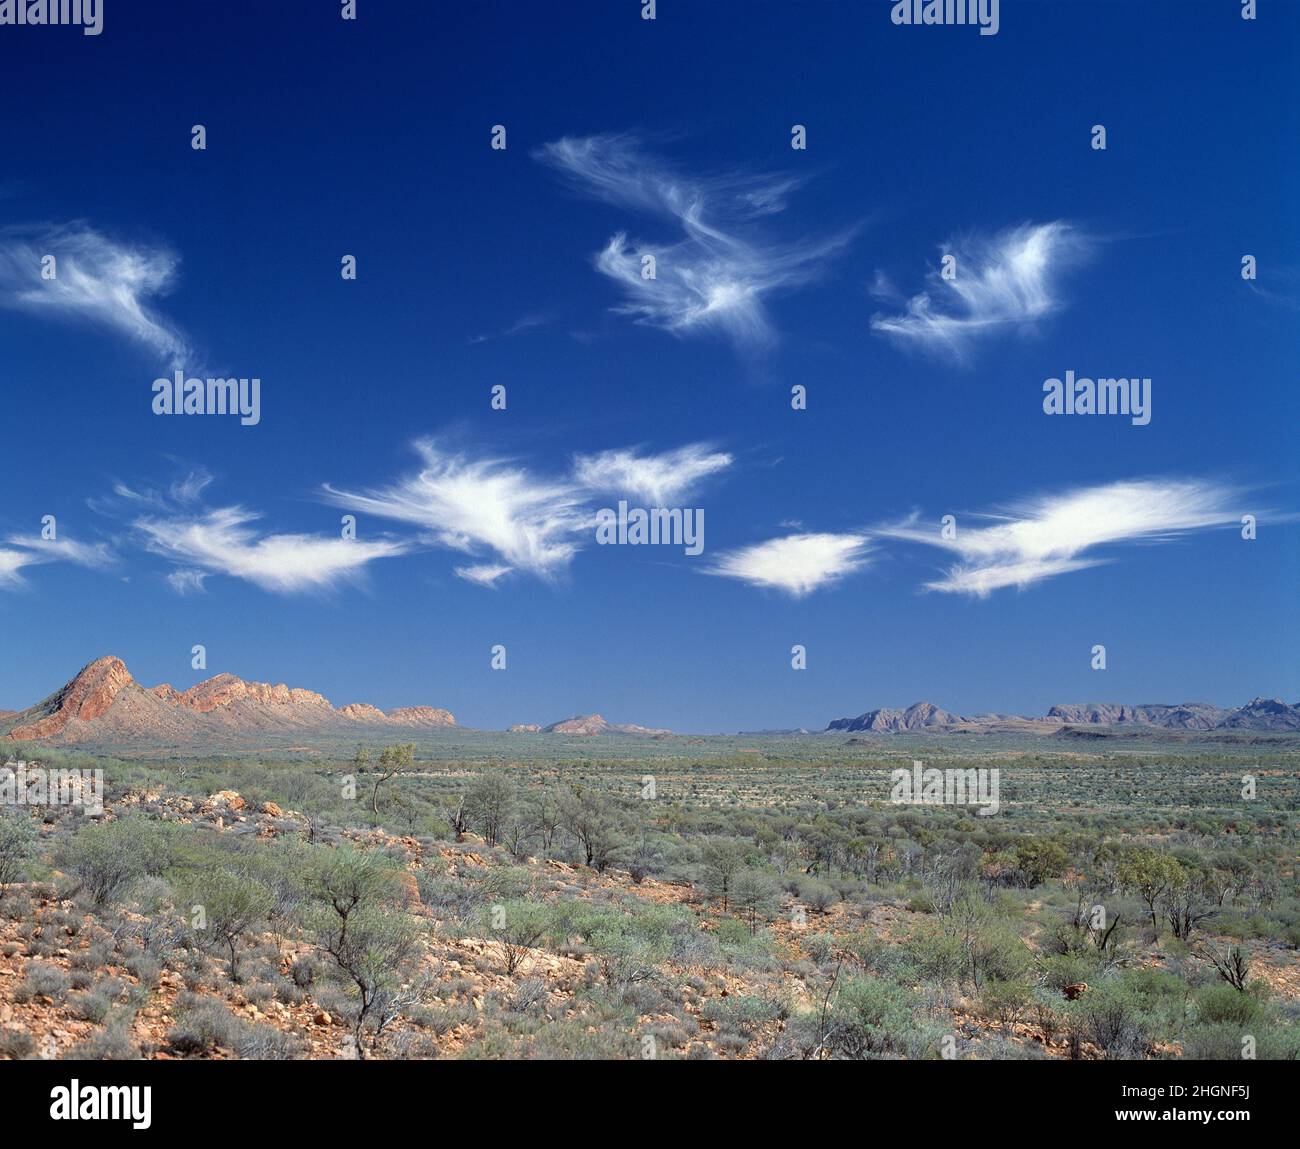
718	898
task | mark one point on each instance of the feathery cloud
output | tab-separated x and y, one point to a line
222	541
1050	535
527	522
718	273
795	564
34	551
658	480
1008	280
98	280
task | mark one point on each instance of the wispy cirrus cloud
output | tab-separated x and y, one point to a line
223	541
97	280
491	507
1008	280
1050	535
795	564
21	551
201	541
717	273
515	519
660	480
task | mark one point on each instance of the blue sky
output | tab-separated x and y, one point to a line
776	267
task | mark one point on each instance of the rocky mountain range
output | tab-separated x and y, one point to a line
1267	714
103	703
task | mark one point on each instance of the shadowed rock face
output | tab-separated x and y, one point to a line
103	702
1263	714
918	716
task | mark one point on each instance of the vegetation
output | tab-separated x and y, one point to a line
768	901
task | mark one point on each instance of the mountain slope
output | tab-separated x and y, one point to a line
103	703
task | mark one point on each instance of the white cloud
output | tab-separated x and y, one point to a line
221	541
527	522
657	480
98	280
485	574
11	563
1008	280
35	550
717	274
1050	535
796	564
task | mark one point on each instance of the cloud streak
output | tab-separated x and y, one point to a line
1006	281
718	272
97	280
657	480
1051	535
35	551
796	564
223	541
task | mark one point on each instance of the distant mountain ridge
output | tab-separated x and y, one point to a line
102	702
594	724
1259	714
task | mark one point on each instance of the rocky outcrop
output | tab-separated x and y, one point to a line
421	716
524	728
90	693
226	689
362	712
595	724
918	716
1186	716
103	703
1263	714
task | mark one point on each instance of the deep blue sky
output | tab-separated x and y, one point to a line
371	138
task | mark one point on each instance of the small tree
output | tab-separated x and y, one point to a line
392	760
371	941
488	804
595	822
754	896
1150	874
232	903
723	859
